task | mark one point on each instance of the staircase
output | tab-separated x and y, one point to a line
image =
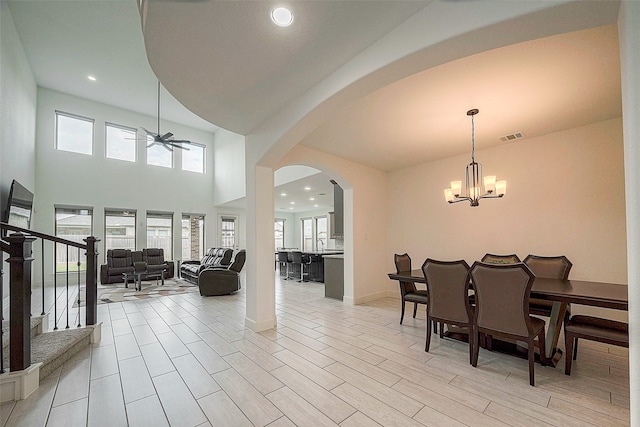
49	350
29	354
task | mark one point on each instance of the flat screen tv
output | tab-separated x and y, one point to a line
19	206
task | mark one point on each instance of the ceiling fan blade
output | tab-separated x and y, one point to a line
166	146
149	132
151	145
178	146
167	135
180	141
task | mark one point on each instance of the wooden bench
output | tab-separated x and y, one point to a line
594	329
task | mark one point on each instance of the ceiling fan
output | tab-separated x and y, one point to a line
166	140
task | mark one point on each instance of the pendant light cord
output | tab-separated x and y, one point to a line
473	140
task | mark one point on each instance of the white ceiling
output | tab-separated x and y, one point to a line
65	41
247	69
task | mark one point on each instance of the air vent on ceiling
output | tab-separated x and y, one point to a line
512	137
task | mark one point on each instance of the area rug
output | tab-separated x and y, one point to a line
118	293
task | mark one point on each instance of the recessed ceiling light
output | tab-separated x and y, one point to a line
292	203
312	198
281	16
283	194
307	188
92	78
315	206
291	208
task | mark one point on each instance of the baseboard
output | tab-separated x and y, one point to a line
371	297
259	326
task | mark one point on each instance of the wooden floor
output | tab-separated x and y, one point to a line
188	361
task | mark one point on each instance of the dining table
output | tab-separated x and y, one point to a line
561	293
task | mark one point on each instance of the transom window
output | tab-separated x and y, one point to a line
121	142
74	133
159	154
193	160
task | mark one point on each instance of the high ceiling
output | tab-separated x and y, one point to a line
246	69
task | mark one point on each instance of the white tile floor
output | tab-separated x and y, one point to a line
188	361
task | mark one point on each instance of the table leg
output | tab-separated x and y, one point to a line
558	311
162	277
126	280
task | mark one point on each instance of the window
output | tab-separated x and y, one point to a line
193	160
228	231
307	234
158	154
192	237
121	142
72	224
120	229
74	133
321	232
160	232
279	233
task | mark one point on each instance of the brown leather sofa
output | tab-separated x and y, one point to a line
121	261
222	281
215	257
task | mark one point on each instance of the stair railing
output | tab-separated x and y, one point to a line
18	242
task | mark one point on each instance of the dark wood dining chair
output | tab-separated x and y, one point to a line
408	290
502	308
593	329
551	267
500	259
448	289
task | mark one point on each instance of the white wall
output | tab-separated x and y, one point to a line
565	195
229	176
65	178
18	95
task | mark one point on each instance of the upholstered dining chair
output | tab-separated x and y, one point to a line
500	259
502	308
593	329
408	290
551	267
448	289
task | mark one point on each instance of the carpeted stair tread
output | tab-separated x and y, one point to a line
35	323
55	348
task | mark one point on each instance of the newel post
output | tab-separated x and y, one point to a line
91	282
20	300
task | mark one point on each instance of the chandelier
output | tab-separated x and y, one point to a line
476	187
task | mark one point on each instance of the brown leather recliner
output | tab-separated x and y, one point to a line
154	258
222	281
119	261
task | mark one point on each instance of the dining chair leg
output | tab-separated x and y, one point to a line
428	340
415	309
435	327
402	312
575	348
472	339
532	351
476	349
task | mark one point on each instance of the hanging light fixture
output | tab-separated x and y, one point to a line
476	187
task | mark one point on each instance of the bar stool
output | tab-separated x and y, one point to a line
295	260
283	261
